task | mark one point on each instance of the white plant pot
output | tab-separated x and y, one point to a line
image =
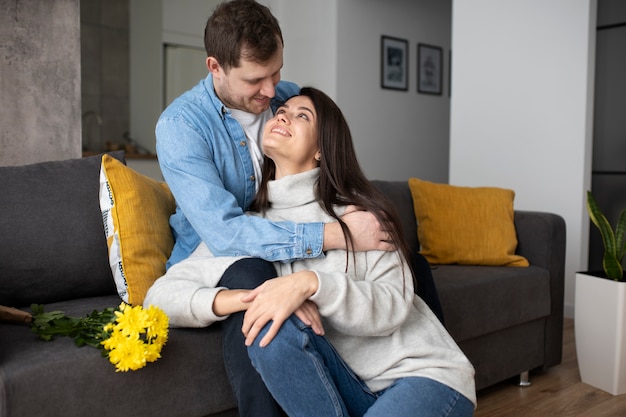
599	326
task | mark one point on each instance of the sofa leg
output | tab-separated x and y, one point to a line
524	380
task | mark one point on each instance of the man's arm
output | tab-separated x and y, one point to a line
216	217
205	170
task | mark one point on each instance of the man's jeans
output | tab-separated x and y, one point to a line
253	398
308	378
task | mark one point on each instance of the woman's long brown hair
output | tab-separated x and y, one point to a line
341	181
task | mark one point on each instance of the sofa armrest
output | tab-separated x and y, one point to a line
541	240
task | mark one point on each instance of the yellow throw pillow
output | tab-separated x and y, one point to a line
135	211
465	225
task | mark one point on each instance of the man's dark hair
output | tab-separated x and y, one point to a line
241	29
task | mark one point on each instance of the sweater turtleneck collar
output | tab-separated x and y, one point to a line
293	190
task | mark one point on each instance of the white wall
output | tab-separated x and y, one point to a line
310	34
184	21
522	106
397	134
333	45
146	70
153	24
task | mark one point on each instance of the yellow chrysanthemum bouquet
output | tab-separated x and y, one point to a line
129	336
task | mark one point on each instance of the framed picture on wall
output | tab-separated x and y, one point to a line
429	69
394	60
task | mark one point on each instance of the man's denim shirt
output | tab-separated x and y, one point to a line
204	157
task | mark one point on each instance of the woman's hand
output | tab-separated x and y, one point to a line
310	315
275	300
229	301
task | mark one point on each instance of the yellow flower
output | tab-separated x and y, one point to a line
152	352
128	354
157	325
130	336
131	321
136	337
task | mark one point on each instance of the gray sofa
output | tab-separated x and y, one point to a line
507	320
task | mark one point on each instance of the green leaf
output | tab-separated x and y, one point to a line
85	331
620	235
612	266
614	243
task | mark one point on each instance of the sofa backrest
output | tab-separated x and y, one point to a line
400	195
53	245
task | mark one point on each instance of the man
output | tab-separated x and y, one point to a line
208	144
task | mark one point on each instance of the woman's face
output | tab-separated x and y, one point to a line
290	137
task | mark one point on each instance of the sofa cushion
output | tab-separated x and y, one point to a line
57	378
53	241
478	300
465	225
135	211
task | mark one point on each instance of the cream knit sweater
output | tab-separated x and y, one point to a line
371	315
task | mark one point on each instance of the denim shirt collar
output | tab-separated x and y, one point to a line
220	108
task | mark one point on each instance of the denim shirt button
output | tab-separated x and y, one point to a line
309	251
252	178
242	143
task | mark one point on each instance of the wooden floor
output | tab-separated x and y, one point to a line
555	392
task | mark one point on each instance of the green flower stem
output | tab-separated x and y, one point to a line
85	331
115	331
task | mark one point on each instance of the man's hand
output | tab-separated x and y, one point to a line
366	232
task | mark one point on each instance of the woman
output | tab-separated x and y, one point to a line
384	352
378	349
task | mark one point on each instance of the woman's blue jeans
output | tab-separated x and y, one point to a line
307	377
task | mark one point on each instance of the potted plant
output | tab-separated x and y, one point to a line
600	310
